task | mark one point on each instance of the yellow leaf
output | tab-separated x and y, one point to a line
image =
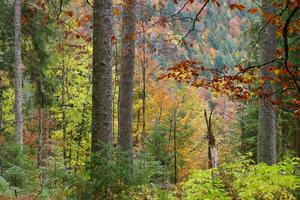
277	71
116	11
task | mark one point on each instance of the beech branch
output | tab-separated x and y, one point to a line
286	45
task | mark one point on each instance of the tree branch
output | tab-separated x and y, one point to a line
286	45
194	21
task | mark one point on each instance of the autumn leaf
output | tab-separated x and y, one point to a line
89	39
69	13
231	6
240	7
176	1
113	38
192	1
277	71
116	11
252	10
162	76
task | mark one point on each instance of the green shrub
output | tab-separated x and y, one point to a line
245	181
4	186
152	192
118	176
202	184
16	177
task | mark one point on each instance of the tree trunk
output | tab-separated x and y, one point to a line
266	140
127	76
40	136
80	136
18	75
212	150
64	120
175	142
102	74
144	90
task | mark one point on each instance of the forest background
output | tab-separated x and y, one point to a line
149	99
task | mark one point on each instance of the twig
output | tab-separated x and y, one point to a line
194	21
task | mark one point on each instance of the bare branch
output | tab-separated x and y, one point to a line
194	21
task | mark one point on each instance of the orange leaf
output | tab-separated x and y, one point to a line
69	13
192	1
240	6
252	10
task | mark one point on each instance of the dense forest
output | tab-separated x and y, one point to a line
150	99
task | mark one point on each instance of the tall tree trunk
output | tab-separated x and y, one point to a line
212	150
102	74
38	96
137	129
144	89
266	140
127	75
18	75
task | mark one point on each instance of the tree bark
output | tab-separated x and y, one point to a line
18	75
127	76
212	150
144	90
266	140
102	74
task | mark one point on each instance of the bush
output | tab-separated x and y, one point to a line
152	192
16	178
243	180
4	186
202	185
118	176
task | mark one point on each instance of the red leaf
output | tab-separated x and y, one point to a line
69	13
192	1
89	39
231	6
113	39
